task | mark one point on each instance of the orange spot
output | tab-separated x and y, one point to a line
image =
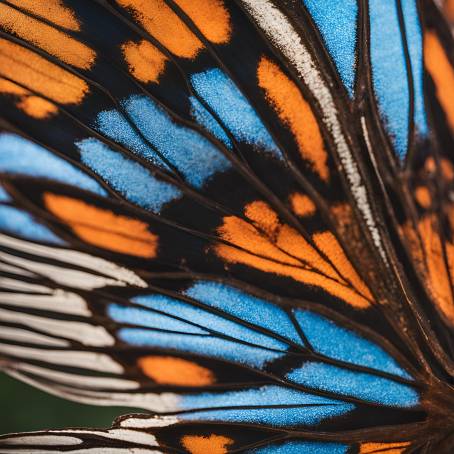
168	370
37	107
210	17
438	279
261	213
296	113
212	444
38	74
302	205
423	197
447	169
288	254
103	228
146	63
159	20
329	245
387	448
34	106
442	73
48	38
430	165
52	10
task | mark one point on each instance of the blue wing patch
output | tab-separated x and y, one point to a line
115	126
205	119
233	109
302	447
364	386
415	49
339	343
190	152
291	407
20	156
337	22
21	223
237	303
389	64
128	177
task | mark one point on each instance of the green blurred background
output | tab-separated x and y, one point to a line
24	408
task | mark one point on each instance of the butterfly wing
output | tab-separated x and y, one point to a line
208	230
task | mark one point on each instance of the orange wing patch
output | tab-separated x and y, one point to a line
438	281
37	107
103	228
34	106
160	21
442	73
54	41
52	10
38	74
199	444
296	113
168	370
385	448
329	245
434	260
276	248
260	213
423	197
302	205
210	17
146	63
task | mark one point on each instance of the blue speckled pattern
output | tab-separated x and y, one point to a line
234	110
296	407
149	319
211	347
21	223
337	23
128	177
22	157
415	48
212	321
113	124
238	303
388	64
205	119
302	447
188	150
339	343
361	385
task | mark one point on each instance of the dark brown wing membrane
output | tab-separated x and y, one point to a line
198	210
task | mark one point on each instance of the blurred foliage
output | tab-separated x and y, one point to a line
24	408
